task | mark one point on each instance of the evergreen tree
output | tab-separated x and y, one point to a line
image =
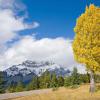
2	90
75	77
54	81
12	87
19	87
97	78
60	81
34	84
45	79
67	81
84	78
41	82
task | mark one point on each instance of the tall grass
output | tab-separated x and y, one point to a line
80	93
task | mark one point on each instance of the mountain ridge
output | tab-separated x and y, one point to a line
29	69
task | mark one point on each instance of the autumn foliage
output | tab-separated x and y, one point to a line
86	44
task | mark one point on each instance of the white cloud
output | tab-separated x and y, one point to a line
6	3
14	5
10	23
58	50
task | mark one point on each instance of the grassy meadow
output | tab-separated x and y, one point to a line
80	93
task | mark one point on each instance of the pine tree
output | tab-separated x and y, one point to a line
45	80
41	82
19	87
2	90
75	77
54	81
84	78
12	87
67	81
34	84
60	81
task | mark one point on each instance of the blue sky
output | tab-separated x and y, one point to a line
57	18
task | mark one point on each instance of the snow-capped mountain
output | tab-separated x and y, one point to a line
36	68
28	69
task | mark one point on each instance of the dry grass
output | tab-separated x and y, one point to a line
81	93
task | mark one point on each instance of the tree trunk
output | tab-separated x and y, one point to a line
92	82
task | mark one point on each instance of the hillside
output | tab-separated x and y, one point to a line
80	93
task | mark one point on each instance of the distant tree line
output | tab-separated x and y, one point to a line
48	80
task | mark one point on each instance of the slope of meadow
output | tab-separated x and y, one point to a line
81	93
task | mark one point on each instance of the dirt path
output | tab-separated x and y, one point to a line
20	94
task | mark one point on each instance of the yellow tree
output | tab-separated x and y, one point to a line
86	44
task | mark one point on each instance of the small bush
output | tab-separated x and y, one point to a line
54	88
97	88
74	86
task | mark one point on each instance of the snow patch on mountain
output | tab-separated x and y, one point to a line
37	68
